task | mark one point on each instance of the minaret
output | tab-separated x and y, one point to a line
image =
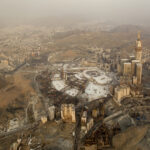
63	74
138	48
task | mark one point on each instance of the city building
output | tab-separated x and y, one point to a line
68	113
130	70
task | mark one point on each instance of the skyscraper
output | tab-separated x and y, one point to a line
138	48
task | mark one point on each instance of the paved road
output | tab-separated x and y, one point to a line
77	131
16	69
18	130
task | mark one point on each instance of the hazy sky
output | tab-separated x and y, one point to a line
123	10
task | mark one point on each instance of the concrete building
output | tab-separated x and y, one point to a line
107	67
68	113
127	69
63	74
84	118
121	92
133	66
139	73
95	113
56	77
87	126
120	66
90	124
16	145
132	57
43	119
51	112
84	121
134	80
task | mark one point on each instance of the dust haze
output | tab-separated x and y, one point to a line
74	75
118	11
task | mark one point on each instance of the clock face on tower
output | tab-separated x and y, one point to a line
138	44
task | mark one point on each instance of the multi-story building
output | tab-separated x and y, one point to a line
130	71
132	68
68	113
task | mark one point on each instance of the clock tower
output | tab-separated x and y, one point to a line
138	48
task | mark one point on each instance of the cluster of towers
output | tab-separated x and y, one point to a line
131	69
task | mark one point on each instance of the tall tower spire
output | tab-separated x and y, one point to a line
139	36
138	48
